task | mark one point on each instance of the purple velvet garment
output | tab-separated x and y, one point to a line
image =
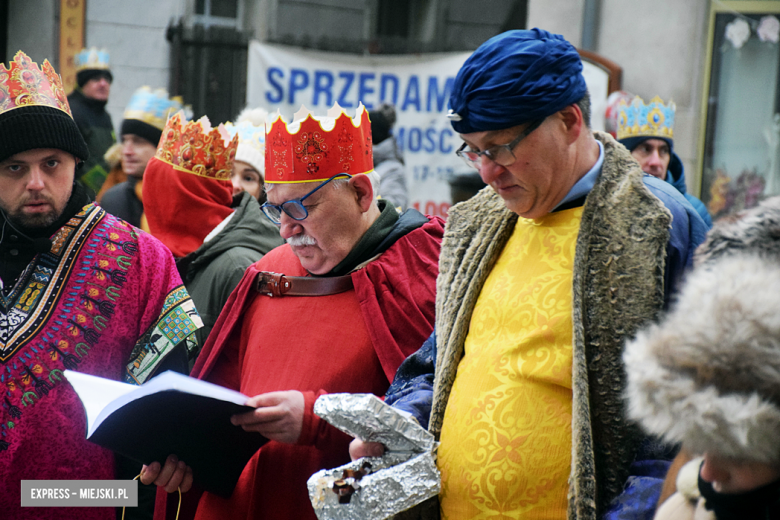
105	300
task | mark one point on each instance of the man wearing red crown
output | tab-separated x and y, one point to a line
79	290
336	309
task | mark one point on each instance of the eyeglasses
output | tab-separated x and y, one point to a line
294	208
501	154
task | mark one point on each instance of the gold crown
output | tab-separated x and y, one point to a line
92	59
195	147
153	107
23	84
646	120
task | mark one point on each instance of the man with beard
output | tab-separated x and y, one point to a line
336	309
79	290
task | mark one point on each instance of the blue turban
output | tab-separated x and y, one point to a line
514	78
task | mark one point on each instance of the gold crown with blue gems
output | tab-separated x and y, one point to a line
91	59
654	119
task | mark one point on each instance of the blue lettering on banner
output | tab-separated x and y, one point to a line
435	140
323	84
383	81
442	147
275	71
364	90
412	95
425	172
433	92
328	86
299	80
349	78
430	140
415	139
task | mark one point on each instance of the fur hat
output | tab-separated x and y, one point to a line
708	376
756	229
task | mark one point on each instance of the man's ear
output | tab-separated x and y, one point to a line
364	192
573	121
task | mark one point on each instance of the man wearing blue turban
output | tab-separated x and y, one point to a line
543	275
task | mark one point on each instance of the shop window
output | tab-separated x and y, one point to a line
740	148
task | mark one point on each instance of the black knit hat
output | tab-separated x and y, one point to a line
85	75
141	129
31	127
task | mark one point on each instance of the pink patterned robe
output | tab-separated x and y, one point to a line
106	300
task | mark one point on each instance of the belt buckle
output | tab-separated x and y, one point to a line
272	284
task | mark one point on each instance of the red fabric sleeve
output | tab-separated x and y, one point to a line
397	294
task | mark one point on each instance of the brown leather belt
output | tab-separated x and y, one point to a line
275	284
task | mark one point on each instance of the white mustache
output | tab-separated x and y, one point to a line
301	240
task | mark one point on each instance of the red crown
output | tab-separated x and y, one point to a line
312	154
24	84
197	148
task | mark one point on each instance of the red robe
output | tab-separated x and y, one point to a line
349	342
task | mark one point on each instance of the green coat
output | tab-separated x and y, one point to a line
211	272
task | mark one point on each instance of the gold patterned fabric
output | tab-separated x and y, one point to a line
506	437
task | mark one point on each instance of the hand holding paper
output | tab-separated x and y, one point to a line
278	416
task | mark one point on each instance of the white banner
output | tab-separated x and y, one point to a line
419	86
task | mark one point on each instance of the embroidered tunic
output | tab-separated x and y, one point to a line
506	437
105	300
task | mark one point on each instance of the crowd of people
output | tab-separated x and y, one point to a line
576	338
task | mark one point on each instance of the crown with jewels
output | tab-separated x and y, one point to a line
313	149
195	147
24	84
251	138
91	59
153	106
646	120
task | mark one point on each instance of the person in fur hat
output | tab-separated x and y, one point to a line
708	378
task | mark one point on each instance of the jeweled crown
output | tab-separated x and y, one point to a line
312	149
153	106
195	147
248	134
646	120
24	84
91	59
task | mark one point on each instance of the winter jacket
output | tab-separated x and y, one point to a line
95	126
122	201
676	177
211	272
388	164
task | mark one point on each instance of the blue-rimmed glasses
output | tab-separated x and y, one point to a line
294	208
502	154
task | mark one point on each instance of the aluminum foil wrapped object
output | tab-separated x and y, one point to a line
376	487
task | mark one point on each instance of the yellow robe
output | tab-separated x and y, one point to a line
506	438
